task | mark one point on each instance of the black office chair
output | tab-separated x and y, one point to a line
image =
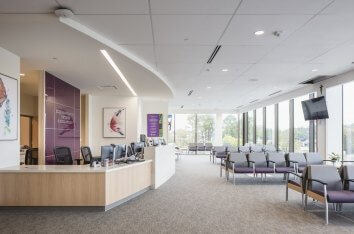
31	157
86	154
63	156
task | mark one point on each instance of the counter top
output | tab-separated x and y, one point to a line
67	168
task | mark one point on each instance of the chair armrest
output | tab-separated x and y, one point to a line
319	181
348	180
295	174
251	161
346	161
271	161
293	161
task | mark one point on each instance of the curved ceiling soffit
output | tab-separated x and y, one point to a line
91	33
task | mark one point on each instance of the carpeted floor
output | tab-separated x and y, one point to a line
195	200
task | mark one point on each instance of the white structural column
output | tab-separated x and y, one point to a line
218	129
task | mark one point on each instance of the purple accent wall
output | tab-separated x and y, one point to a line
62	123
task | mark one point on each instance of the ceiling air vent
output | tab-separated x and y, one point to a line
238	107
254	100
212	56
107	87
274	93
182	107
316	79
190	92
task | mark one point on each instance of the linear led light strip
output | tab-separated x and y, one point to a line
116	68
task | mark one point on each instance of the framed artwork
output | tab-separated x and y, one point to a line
8	108
114	122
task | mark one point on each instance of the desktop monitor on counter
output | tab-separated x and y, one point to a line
106	152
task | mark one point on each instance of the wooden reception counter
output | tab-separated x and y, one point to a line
77	185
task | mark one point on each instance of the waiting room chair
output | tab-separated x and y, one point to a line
86	154
325	185
297	184
269	149
259	164
315	158
200	147
256	148
278	162
237	163
209	147
297	160
232	149
63	156
219	152
192	147
347	175
244	149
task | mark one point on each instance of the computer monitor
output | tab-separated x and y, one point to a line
138	147
106	152
120	151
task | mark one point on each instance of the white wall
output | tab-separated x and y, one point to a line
151	106
10	150
95	115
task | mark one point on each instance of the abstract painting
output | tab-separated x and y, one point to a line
114	122
8	108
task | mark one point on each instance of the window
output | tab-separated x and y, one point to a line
241	129
171	128
348	121
250	129
283	129
230	128
301	127
259	126
206	128
270	125
185	129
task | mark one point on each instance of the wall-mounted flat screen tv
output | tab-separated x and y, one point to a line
315	108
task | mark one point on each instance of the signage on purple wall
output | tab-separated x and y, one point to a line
154	125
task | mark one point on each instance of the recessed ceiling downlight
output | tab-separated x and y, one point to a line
22	74
259	32
314	70
225	70
253	80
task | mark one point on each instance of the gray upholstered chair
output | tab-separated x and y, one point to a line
278	161
219	152
209	147
192	147
259	164
315	158
297	161
269	148
200	147
297	184
232	149
325	185
347	174
244	149
238	164
256	148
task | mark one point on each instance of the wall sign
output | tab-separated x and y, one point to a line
8	108
154	125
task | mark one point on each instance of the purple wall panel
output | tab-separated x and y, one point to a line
62	117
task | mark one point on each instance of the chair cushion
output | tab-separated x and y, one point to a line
342	196
264	170
283	169
243	170
221	155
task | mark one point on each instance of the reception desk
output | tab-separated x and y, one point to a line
163	163
77	185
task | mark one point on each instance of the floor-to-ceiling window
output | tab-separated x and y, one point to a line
259	126
283	126
348	121
250	127
206	128
230	128
301	126
185	129
270	125
241	129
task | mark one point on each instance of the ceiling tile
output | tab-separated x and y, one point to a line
240	54
189	29
26	6
122	29
107	6
282	6
193	6
271	69
242	28
340	7
144	52
183	54
180	69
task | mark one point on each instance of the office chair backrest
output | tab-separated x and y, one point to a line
297	157
259	159
240	159
63	155
325	173
86	154
314	158
348	174
31	157
278	158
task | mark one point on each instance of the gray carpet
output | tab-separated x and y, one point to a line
195	200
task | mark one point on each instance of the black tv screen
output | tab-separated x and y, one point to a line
315	108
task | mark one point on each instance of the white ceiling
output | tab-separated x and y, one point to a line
176	38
